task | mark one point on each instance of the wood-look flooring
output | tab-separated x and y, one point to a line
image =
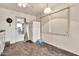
32	49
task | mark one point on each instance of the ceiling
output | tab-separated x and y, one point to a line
34	9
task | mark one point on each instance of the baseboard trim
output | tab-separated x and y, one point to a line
65	50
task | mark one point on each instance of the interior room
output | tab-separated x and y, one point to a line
39	29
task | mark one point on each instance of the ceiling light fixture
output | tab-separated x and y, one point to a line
21	4
47	9
24	5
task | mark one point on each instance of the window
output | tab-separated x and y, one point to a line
20	25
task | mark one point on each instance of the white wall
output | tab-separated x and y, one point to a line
11	33
36	31
2	42
70	43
